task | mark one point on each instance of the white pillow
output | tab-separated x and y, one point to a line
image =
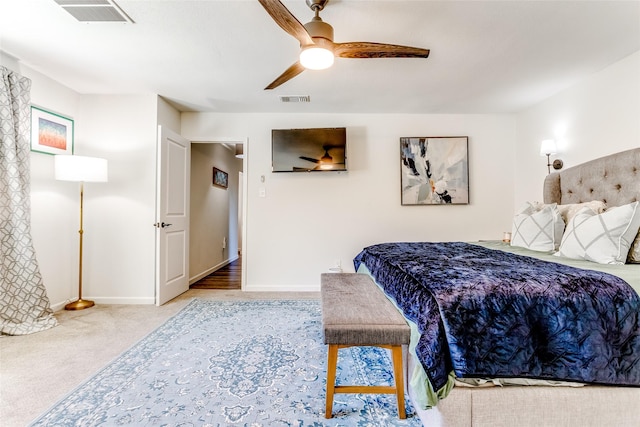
570	210
538	230
604	238
634	251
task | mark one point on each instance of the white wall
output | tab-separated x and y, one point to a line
599	116
214	210
307	222
119	255
54	204
168	116
119	239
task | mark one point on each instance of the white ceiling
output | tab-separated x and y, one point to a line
215	55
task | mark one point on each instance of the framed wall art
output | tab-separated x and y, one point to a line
220	178
51	133
434	170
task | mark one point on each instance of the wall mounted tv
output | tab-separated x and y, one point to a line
309	150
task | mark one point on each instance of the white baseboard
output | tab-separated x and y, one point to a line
109	300
281	288
124	300
58	306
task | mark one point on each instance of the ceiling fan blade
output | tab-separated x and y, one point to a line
309	159
287	21
377	50
289	73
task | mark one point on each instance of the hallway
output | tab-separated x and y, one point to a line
227	278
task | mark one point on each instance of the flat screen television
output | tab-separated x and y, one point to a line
309	150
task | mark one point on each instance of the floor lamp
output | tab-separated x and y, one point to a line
80	169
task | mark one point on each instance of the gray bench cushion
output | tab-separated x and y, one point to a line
356	312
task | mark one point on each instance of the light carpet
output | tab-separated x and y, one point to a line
217	363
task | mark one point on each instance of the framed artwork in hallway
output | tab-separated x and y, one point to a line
220	178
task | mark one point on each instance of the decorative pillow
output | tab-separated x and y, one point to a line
569	211
538	230
634	251
603	238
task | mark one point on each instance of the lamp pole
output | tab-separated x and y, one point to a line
80	304
80	169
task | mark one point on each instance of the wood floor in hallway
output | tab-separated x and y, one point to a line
228	277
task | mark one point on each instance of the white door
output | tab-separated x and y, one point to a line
172	215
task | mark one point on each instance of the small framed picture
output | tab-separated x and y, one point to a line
51	133
220	178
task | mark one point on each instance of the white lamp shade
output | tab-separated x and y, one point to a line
80	168
548	146
316	58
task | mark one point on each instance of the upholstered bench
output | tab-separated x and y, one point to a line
355	312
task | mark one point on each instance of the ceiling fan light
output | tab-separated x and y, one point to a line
316	58
326	161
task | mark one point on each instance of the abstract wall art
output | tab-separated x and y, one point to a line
434	170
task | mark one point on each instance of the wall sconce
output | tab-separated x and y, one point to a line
547	148
240	151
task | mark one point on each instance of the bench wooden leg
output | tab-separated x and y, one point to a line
398	376
332	364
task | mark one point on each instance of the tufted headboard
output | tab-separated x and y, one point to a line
614	179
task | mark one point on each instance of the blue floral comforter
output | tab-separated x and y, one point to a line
488	313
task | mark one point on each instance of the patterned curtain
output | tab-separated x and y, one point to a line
24	305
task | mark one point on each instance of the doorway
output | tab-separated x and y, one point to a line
217	216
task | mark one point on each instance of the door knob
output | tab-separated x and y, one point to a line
161	225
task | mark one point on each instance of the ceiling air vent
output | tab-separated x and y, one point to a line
296	98
95	10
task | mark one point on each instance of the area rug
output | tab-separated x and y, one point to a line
217	363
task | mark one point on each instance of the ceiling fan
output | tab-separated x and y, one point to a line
317	48
326	161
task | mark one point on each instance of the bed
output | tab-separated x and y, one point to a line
562	333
